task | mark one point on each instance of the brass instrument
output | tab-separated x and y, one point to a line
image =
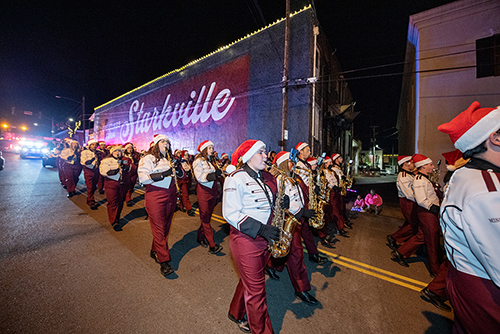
436	173
346	183
283	218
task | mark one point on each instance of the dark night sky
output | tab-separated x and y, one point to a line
102	49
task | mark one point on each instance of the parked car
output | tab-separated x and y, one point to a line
2	161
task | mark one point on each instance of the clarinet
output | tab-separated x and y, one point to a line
169	158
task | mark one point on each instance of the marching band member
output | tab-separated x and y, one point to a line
134	156
295	259
185	182
427	197
327	173
406	203
104	153
224	161
302	170
71	167
59	162
337	201
155	172
247	203
90	160
470	221
115	168
206	173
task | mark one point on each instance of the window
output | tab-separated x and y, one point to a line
488	56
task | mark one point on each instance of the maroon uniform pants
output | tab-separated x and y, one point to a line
115	196
475	301
250	256
100	183
133	179
91	177
427	233
184	185
160	204
337	206
60	170
294	263
207	198
410	226
71	174
438	284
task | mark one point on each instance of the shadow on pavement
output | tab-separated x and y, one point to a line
439	324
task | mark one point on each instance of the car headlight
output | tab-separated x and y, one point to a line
45	151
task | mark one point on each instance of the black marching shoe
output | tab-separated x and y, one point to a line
166	269
191	212
271	273
327	242
434	299
129	203
93	207
215	249
391	243
396	256
242	324
306	297
203	243
343	233
318	258
117	227
154	256
348	224
71	194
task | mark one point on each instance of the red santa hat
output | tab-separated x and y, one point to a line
224	155
204	144
116	148
177	151
420	160
300	146
335	156
127	145
472	127
327	158
101	142
92	141
246	150
281	157
403	158
312	161
159	137
151	144
183	152
454	160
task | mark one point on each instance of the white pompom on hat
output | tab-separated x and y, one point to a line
472	126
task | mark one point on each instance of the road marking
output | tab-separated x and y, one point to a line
346	262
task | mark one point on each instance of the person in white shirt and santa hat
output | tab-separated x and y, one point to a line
470	221
156	173
90	160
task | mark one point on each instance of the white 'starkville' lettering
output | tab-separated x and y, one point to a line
140	121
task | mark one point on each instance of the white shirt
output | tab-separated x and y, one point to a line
330	177
303	170
243	198
66	153
470	220
147	167
425	194
108	164
86	156
404	184
201	169
294	193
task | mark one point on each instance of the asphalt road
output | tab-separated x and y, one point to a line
65	270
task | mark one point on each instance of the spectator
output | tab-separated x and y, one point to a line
359	204
373	202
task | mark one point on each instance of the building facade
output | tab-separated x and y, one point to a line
450	62
235	93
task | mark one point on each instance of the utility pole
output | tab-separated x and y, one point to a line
284	131
83	119
374	142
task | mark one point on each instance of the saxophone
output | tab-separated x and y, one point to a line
283	218
320	201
